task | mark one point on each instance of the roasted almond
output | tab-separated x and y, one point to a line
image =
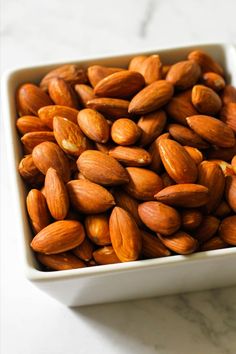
37	210
151	98
47	114
213	80
98	72
125	132
32	139
28	124
228	115
226	167
61	93
97	229
227	230
152	247
230	191
151	69
85	93
58	237
110	107
206	62
131	155
180	242
228	94
180	107
153	150
126	202
206	100
214	243
136	62
143	184
184	74
84	251
186	136
125	235
105	255
151	126
184	195
191	219
196	154
207	228
62	261
212	130
29	171
88	197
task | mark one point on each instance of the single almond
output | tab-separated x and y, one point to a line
98	72
62	261
151	126
207	228
156	164
97	229
151	69
206	62
136	62
152	247
84	251
37	210
186	136
61	93
28	124
47	114
88	197
191	219
228	94
180	242
159	217
228	115
32	139
184	74
214	243
227	230
230	191
125	132
131	155
105	255
29	172
196	154
206	100
110	107
213	80
85	93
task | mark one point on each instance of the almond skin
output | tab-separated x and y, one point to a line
58	237
97	229
69	136
136	62
85	93
126	202
230	191
37	210
178	163
101	168
84	251
121	84
131	155
88	197
56	195
98	72
47	114
228	94
29	172
30	98
180	107
196	154
159	217
94	125
186	136
156	164
191	219
32	139
151	69
214	243
62	261
28	124
180	242
226	167
215	81
61	93
212	130
48	154
184	74
205	100
105	255
184	195
125	132
228	115
207	228
206	62
151	126
152	247
151	98
125	235
227	230
143	184
110	107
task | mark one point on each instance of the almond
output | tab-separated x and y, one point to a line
223	210
125	132
227	230
229	94
186	136
125	235
159	217
104	148
211	176
32	139
29	171
214	243
94	125
151	98
226	167
48	154
184	74
30	98
88	197
196	154
143	184
126	202
105	255
180	107
85	93
84	251
167	181
47	114
37	210
205	100
58	237
207	228
180	242
228	115
110	107
28	124
98	72
151	126
69	136
61	93
101	168
184	195
97	229
62	261
151	69
153	150
131	155
71	73
206	62
178	163
152	247
56	195
212	130
213	80
230	191
136	62
165	69
233	162
122	84
191	219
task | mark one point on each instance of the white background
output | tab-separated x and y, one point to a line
32	323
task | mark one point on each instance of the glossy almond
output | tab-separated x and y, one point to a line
228	115
58	237
177	162
98	72
48	154
207	228
121	84
143	184
151	126
30	98
151	69
214	243
110	107
56	195
136	62
152	247
180	242
180	107
212	130
230	191
159	217
124	131
85	93
227	230
184	74
226	167
206	100
32	139
37	210
206	62
94	125
101	168
125	235
105	255
62	261
131	155
184	195
213	80
29	171
228	94
88	197
151	98
28	124
85	250
61	93
196	154
97	229
191	218
156	164
47	114
186	136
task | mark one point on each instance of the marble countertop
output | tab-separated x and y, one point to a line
31	322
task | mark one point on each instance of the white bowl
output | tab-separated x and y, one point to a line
121	281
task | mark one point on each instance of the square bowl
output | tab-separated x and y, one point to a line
122	281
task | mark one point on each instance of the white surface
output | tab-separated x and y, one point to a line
205	322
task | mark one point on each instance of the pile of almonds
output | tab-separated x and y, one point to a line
127	164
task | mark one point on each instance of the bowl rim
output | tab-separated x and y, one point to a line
38	275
